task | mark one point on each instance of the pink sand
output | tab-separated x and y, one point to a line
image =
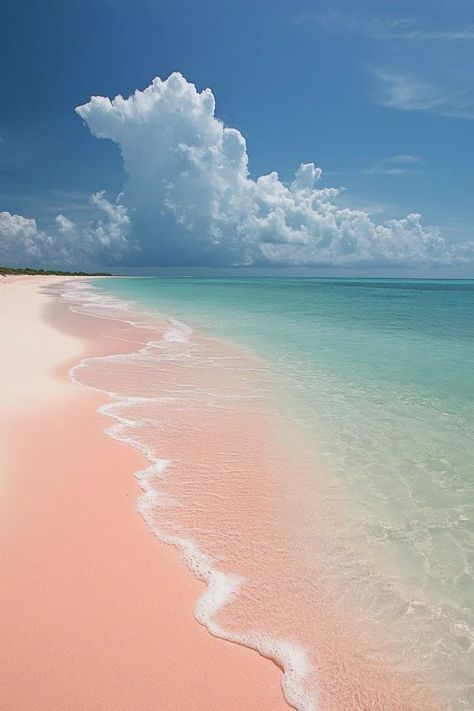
96	613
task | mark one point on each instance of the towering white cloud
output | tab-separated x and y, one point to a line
189	200
23	243
193	202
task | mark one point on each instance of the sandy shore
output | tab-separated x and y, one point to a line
96	613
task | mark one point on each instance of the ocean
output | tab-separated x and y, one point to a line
344	550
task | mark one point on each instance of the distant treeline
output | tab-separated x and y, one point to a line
8	270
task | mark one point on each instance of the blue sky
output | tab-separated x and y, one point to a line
380	97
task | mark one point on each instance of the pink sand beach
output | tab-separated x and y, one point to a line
98	611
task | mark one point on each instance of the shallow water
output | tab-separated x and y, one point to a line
368	385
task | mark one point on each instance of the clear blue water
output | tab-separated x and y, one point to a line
379	376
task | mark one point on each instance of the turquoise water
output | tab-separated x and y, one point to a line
378	375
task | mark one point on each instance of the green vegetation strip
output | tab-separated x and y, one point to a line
7	270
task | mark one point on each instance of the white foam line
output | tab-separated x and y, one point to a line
222	587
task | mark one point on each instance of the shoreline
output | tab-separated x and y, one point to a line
223	490
98	613
199	402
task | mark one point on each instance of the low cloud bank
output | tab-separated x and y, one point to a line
189	200
67	245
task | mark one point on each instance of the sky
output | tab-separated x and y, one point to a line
313	137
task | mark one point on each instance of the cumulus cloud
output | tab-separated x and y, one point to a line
193	201
189	200
67	244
